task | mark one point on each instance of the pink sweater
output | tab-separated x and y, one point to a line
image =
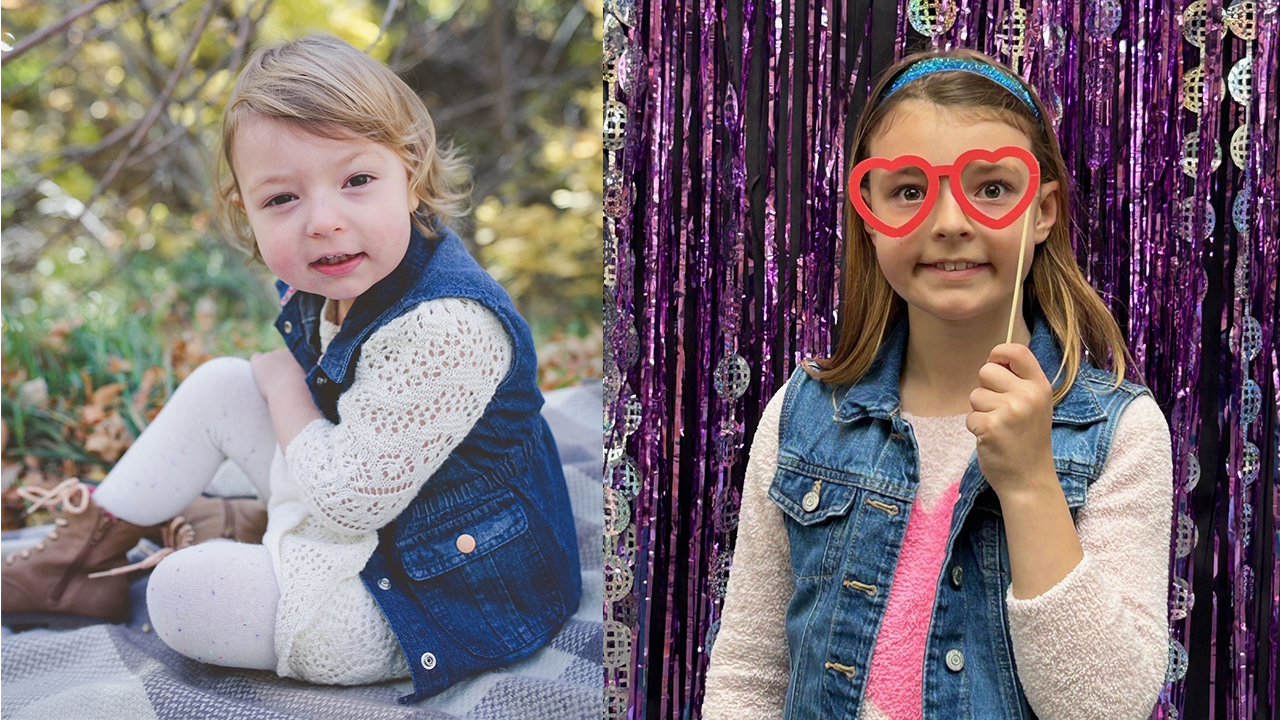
1093	646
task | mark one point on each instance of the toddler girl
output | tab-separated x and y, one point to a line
938	523
418	518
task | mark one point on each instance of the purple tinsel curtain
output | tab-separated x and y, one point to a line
727	125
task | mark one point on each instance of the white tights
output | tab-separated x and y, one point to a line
215	602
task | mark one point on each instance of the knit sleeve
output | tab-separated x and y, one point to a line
750	667
422	382
1096	645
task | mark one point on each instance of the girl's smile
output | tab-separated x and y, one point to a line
338	265
331	216
949	271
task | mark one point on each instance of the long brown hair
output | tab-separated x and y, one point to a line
1075	313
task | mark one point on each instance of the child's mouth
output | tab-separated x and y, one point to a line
956	271
338	264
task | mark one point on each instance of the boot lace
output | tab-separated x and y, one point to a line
178	534
63	494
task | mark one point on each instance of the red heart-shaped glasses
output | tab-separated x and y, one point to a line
934	174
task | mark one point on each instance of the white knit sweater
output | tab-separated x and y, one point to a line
422	382
1094	646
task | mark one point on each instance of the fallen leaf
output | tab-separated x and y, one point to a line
57	337
13	512
9	472
109	438
34	393
107	394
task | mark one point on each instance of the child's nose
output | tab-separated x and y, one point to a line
948	217
324	219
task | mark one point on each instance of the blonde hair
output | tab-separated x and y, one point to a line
324	86
1075	313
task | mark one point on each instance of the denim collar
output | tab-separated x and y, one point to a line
877	393
376	306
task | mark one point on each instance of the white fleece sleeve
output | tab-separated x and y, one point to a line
750	666
1096	644
422	382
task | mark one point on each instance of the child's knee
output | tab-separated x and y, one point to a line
220	378
166	585
221	371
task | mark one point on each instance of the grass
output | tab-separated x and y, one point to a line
81	380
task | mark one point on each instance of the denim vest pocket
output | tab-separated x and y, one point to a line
492	599
816	504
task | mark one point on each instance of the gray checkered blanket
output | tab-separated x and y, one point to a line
123	672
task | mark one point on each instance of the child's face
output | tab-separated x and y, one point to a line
947	234
331	217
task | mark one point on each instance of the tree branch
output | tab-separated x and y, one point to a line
51	30
158	107
392	6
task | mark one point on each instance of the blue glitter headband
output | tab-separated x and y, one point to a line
929	66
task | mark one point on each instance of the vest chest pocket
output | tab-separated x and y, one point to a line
817	514
483	577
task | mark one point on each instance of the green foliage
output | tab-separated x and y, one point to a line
134	290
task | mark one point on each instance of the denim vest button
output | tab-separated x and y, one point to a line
428	661
322	380
288	327
955	660
384	584
466	543
810	501
957	574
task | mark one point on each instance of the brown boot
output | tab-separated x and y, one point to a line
50	583
240	519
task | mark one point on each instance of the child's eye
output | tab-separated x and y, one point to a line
909	193
279	200
994	190
359	180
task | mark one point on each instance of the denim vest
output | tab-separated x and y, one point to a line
457	614
847	476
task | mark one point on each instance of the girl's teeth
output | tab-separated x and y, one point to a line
955	266
333	259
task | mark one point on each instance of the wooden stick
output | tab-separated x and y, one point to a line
1017	280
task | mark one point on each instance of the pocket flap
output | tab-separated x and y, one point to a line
436	550
790	486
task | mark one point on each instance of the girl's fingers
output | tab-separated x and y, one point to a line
999	378
975	423
1018	359
984	400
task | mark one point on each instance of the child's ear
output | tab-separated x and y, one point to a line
1046	210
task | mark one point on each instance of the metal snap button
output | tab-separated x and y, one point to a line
955	660
810	501
428	661
384	584
466	543
957	575
288	327
321	380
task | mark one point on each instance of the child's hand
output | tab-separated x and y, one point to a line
275	370
1012	417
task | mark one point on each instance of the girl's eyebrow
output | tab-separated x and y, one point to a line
906	170
281	179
